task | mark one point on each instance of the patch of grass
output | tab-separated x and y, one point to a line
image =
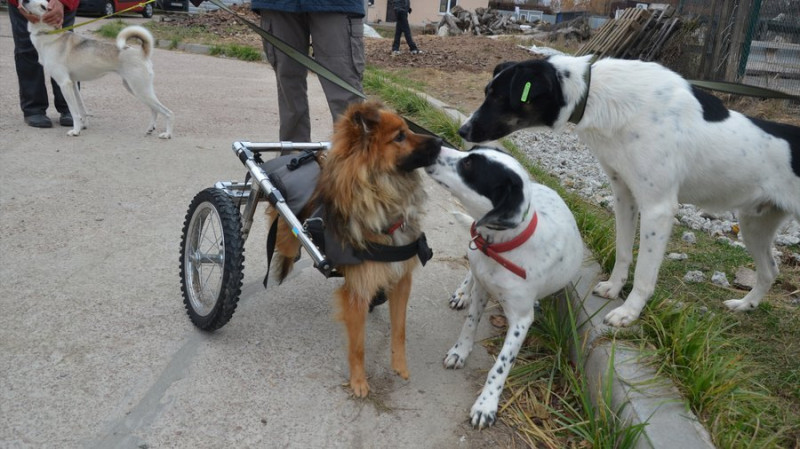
196	34
111	29
399	93
242	52
549	401
740	371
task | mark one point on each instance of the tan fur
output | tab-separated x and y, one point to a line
365	192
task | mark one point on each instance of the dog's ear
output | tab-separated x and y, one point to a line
507	201
366	117
528	82
502	66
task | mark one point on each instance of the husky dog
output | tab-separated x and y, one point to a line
70	59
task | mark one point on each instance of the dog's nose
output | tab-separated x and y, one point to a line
464	131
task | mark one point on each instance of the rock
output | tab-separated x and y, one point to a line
677	256
725	240
744	278
786	240
694	276
689	237
719	278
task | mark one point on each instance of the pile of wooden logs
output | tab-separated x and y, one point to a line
636	34
484	21
576	29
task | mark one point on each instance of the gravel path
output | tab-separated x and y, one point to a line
564	156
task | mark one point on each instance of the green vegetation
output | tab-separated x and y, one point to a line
236	51
111	29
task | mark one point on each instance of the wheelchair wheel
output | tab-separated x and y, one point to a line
212	259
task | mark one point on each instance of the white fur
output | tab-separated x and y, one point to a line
648	132
70	59
551	258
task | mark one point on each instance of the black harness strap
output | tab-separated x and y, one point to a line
388	253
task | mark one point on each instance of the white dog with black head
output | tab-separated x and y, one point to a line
661	142
525	246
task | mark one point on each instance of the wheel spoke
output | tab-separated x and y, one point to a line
206	255
211	261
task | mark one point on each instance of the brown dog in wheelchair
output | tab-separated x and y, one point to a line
372	193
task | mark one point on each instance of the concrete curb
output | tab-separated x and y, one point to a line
637	390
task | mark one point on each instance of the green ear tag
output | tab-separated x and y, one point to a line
525	92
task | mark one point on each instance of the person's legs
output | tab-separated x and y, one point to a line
32	90
295	123
402	22
398	30
338	42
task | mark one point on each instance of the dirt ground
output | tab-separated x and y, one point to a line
454	69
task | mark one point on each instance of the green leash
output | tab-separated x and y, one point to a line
72	27
743	89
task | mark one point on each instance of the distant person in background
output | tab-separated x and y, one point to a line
30	74
335	31
401	10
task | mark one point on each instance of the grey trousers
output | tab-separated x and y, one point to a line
338	44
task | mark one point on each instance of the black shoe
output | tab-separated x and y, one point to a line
66	119
38	121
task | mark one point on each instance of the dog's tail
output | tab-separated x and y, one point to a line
287	248
136	32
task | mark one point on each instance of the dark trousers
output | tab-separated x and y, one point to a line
32	88
401	27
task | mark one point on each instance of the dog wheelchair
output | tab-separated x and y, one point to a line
215	229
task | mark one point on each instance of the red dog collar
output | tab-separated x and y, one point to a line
493	250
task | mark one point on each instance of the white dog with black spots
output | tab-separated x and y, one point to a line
525	246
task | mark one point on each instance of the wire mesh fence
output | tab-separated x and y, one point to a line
755	42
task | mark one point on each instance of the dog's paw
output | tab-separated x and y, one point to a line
74	132
400	368
459	300
740	305
165	136
483	413
621	317
360	387
607	289
455	358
